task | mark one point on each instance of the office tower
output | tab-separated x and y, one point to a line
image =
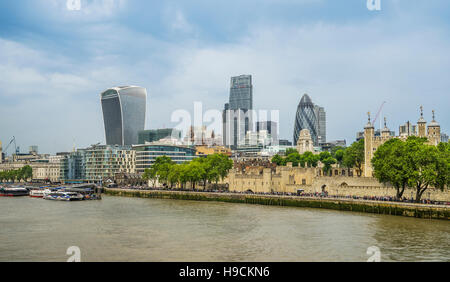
321	124
158	134
311	117
241	93
237	115
271	127
123	114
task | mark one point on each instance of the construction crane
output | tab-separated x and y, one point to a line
378	114
13	140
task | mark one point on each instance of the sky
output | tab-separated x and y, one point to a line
55	62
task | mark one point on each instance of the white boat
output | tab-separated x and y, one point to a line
37	193
63	196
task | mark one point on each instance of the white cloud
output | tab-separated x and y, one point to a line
49	99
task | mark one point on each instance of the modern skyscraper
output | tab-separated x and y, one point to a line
321	124
123	114
237	119
311	117
241	93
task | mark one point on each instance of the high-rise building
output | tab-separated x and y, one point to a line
311	117
123	114
271	127
321	124
237	115
237	119
241	93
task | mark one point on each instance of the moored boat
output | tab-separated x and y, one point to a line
63	196
14	192
37	193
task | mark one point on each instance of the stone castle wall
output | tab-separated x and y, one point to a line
291	179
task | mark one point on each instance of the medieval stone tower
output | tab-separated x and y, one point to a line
372	142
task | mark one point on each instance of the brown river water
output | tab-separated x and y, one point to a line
133	229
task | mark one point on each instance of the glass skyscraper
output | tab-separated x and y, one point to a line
241	93
311	117
124	110
236	116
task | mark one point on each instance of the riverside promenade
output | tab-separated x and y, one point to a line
378	207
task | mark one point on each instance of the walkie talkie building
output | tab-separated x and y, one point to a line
124	110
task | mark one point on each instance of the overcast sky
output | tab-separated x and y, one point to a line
54	62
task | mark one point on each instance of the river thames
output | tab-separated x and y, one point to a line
153	230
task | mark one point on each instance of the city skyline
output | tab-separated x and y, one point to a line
350	63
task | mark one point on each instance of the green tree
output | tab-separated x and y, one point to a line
327	164
311	159
195	173
290	151
390	164
277	159
428	166
162	166
293	158
339	156
335	149
26	172
324	155
150	175
354	156
225	164
174	175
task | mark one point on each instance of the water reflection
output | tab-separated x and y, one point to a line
131	229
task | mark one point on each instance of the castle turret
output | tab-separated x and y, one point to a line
421	124
434	132
369	133
385	133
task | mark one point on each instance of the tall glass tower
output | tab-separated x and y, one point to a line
241	93
311	117
123	114
237	118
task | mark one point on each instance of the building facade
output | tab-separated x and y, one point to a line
237	115
311	117
305	143
154	135
211	150
146	154
272	129
241	92
124	113
371	142
104	161
321	124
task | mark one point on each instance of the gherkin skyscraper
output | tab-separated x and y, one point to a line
311	117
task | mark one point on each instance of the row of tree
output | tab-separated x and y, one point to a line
412	163
350	157
200	170
24	173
